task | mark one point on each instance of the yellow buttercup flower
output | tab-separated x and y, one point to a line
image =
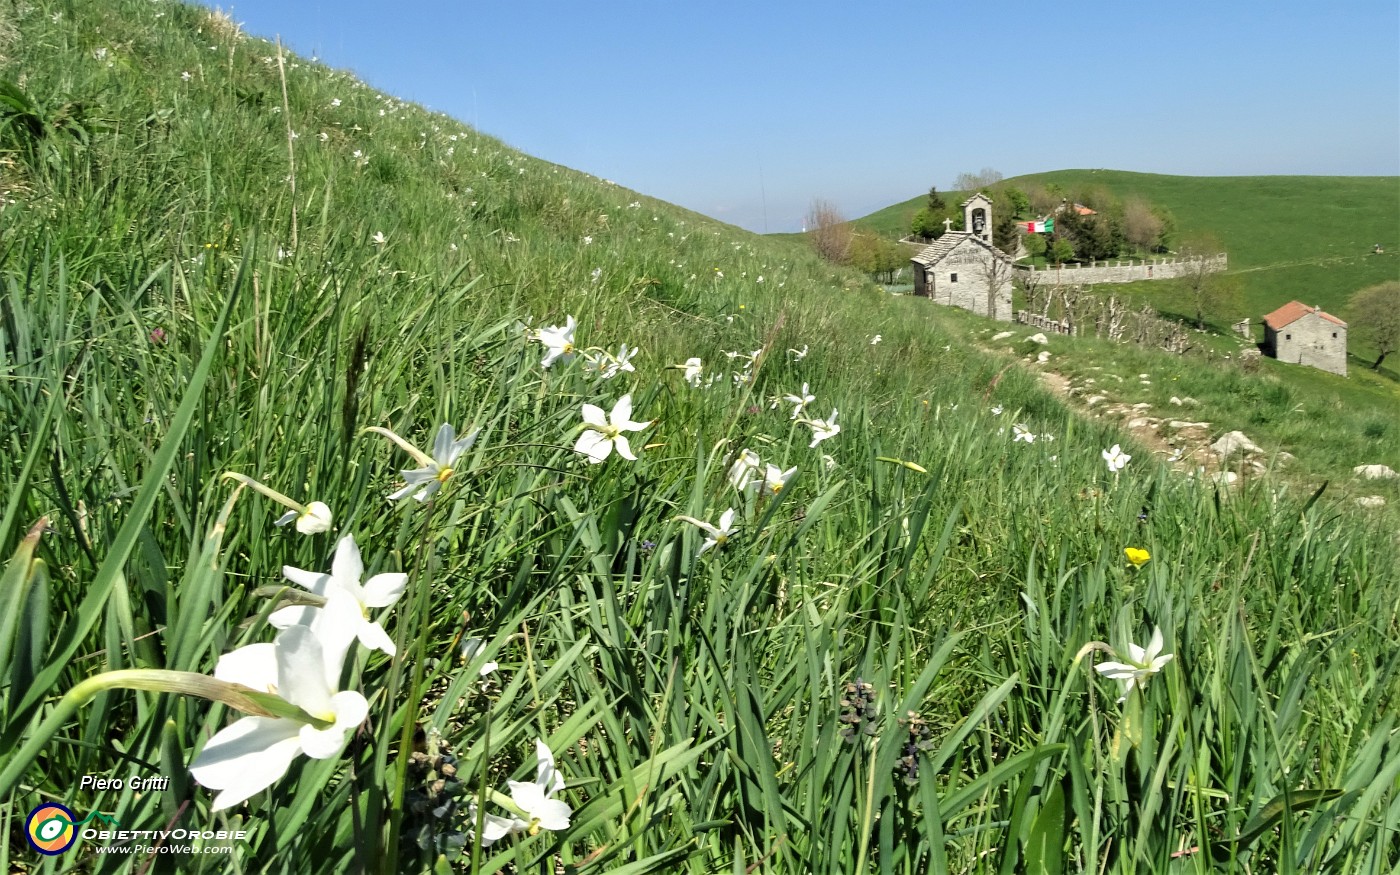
1137	556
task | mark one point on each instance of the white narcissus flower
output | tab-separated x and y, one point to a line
718	536
775	479
799	354
558	341
620	362
1020	433
692	371
537	809
534	797
1116	459
313	519
379	239
876	339
799	401
823	428
380	591
744	469
423	483
601	434
470	648
302	667
996	411
1142	664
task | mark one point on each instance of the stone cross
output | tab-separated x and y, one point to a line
947	225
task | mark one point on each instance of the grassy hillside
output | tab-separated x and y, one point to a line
263	585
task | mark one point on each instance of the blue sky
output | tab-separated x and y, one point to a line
748	111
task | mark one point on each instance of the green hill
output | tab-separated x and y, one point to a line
366	510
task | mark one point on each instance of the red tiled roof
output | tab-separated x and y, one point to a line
1295	310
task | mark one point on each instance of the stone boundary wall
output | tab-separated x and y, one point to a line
1119	271
1045	323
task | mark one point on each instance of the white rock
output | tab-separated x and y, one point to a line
1225	478
1371	501
1038	338
1143	376
1095	399
1142	405
1232	443
1175	400
1141	422
1043	357
1179	424
1374	472
1002	336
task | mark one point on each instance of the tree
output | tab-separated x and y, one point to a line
1373	315
936	204
877	256
975	182
1142	226
829	231
1035	244
1205	288
1060	251
997	273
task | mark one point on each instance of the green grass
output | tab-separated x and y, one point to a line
180	300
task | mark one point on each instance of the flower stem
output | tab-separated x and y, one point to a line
189	683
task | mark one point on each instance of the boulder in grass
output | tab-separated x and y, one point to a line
1371	501
1038	338
1001	335
1374	472
1234	443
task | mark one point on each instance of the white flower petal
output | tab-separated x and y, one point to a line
302	671
593	445
373	637
383	590
623	448
312	581
252	666
593	415
317	519
346	564
442	444
622	410
247	757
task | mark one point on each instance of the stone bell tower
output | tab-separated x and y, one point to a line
977	217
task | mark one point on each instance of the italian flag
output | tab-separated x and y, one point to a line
1045	227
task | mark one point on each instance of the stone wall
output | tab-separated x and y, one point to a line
1119	271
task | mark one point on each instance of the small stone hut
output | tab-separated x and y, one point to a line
1304	335
963	268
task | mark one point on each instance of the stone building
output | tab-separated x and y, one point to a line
1304	335
963	268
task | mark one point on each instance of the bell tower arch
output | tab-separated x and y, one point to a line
977	217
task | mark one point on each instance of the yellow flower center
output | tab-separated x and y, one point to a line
443	474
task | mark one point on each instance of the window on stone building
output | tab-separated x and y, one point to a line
1288	337
952	277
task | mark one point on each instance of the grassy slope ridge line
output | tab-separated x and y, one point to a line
883	666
